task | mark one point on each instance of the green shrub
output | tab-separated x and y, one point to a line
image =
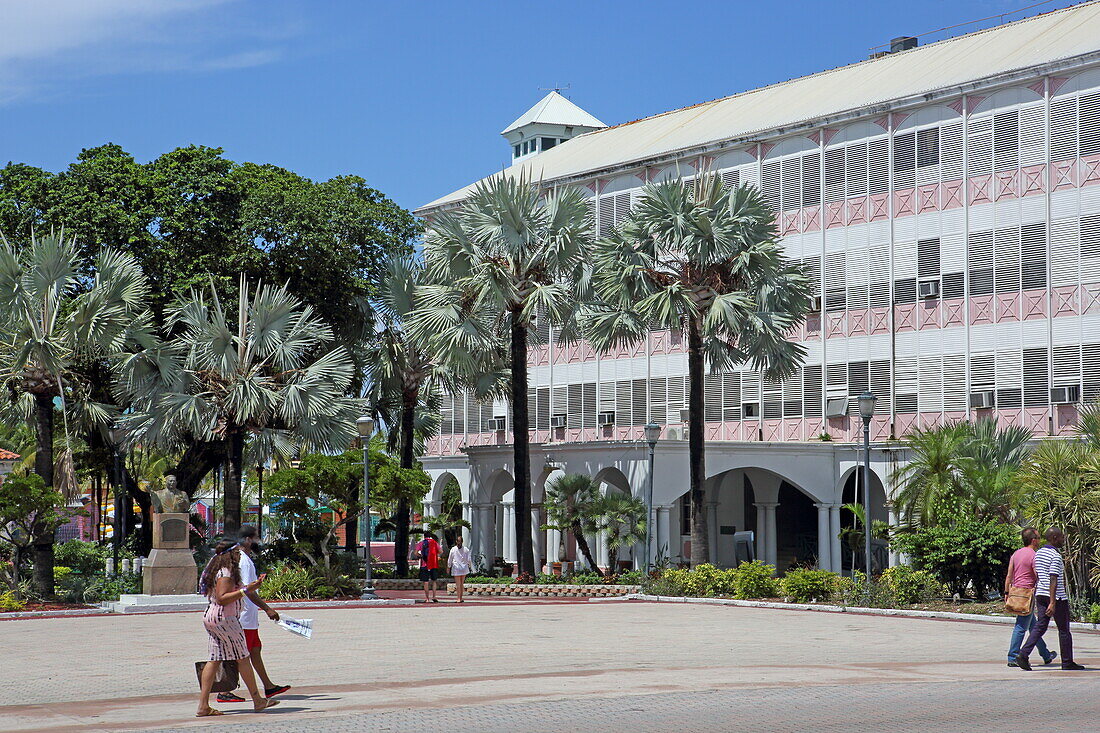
482	579
1092	615
970	554
585	578
289	583
77	588
8	602
804	586
909	586
550	579
88	558
60	573
755	580
630	577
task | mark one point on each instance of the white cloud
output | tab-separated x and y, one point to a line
48	44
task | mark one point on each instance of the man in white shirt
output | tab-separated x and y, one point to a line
1051	600
248	542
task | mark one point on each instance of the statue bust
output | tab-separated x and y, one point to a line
170	500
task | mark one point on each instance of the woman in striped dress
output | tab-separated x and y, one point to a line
221	581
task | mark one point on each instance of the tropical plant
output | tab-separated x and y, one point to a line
970	554
854	536
622	519
572	505
697	257
28	509
519	252
961	470
404	378
266	373
56	324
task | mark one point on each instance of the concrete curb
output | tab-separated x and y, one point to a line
92	611
897	612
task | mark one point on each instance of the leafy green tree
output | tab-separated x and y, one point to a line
971	554
517	251
29	508
700	258
53	323
266	372
572	504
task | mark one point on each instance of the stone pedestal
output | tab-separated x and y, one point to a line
170	569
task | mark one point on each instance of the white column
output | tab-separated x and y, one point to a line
892	518
431	509
663	545
553	542
508	552
761	532
773	537
487	532
601	549
536	536
834	537
712	532
467	533
824	553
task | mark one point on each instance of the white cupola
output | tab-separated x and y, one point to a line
550	122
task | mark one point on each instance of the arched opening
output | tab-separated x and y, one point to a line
796	529
852	543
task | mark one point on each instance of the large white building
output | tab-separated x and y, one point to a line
948	198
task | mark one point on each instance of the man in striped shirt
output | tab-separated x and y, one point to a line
1051	600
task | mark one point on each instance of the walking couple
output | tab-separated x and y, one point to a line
428	551
1038	571
232	622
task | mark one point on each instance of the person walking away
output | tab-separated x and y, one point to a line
459	565
1052	601
221	582
1020	583
428	550
249	543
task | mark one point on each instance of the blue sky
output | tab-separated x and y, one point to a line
410	95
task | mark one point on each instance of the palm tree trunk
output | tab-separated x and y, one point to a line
696	367
582	545
409	398
521	448
43	466
231	501
197	461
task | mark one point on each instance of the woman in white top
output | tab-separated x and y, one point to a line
458	564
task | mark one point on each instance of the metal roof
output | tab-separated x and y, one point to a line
7	455
554	109
1042	39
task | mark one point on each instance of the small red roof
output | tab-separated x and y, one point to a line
7	455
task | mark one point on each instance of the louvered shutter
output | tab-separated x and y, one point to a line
979	142
1089	242
855	169
878	165
1009	379
1036	382
1033	256
770	185
980	265
955	396
951	151
588	404
813	393
712	397
1006	256
879	373
811	179
905	160
834	175
1089	124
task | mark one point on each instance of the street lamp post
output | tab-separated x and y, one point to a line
652	433
365	426
117	435
260	502
867	411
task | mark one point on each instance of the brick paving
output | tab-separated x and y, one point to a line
550	665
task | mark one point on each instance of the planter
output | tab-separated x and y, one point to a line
555	568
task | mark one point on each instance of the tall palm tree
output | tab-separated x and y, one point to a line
404	378
572	505
55	321
265	374
518	251
697	257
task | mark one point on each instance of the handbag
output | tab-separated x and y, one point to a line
226	679
1018	600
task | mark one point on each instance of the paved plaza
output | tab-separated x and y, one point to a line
551	667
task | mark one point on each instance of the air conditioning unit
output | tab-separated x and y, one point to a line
685	414
606	418
928	289
982	399
557	421
498	424
815	304
1065	394
675	432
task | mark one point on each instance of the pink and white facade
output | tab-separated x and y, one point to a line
951	215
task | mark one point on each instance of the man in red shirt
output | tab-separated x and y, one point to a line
428	551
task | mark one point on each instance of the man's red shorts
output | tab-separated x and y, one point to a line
252	639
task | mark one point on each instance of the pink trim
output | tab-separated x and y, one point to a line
904	423
813	326
773	430
1010	418
593	186
834	214
789	222
980	189
880	428
1034	304
928	314
766	148
828	135
905	318
954	416
812	427
732	430
957	105
930	419
1090	297
951	194
1065	420
1090	170
972	101
792	430
1056	83
705	162
954	312
1036	419
858	321
1032	180
811	219
643	175
1039	87
857	210
880	320
880	207
928	197
1008	184
815	137
836	323
1066	301
981	309
713	430
1008	307
750	430
883	122
838	427
904	203
1064	174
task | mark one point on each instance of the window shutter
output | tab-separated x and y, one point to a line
731	396
712	397
1033	256
791	184
979	141
1090	384
855	169
928	258
1063	129
658	400
905	385
835	281
955	397
878	165
1036	384
1089	124
813	394
1006	255
1009	379
951	151
1033	135
930	381
905	160
811	179
770	186
1006	140
1089	243
980	256
834	175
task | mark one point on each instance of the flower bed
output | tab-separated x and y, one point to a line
550	590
